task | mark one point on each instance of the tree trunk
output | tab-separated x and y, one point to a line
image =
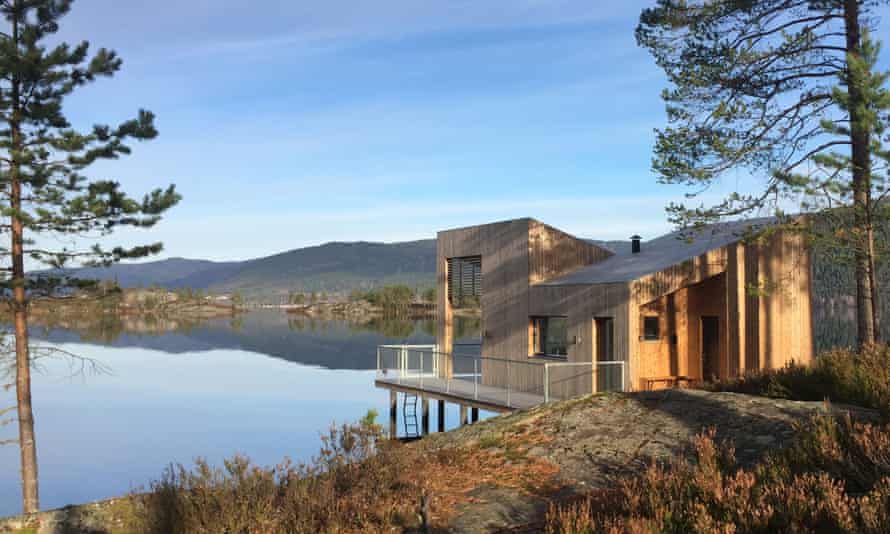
861	160
27	442
875	294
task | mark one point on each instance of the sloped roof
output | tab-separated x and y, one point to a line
657	254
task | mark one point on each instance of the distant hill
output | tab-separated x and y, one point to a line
332	267
163	273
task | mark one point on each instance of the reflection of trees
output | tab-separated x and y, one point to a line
106	328
398	327
834	290
428	327
467	327
390	326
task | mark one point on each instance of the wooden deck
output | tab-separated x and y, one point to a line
462	391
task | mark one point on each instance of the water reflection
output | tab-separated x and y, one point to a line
264	384
334	344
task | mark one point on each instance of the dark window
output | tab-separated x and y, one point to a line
650	328
605	339
550	336
465	281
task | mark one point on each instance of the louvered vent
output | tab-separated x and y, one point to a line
464	278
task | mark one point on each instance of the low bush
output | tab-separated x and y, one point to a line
358	483
841	376
835	478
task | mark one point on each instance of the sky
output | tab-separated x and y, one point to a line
289	123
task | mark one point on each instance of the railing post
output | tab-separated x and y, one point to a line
378	360
623	383
546	383
508	384
421	368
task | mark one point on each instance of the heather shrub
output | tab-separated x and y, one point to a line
840	375
358	483
835	478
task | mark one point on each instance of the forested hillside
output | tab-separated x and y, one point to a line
332	267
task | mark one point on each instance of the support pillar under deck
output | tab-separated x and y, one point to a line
425	416
393	412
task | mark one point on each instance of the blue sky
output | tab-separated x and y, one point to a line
291	123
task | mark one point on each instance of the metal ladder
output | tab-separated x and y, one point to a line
409	412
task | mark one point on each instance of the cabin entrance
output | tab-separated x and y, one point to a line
609	371
710	346
605	340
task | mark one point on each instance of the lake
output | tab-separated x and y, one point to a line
265	385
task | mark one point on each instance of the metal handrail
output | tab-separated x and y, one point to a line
406	369
407	346
407	363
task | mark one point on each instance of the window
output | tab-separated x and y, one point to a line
650	329
465	281
550	336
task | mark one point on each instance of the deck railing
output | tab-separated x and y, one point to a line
501	381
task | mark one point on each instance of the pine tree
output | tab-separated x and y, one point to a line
776	87
45	191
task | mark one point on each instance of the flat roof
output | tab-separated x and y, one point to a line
659	253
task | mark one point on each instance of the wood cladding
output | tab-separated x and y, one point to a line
755	295
553	253
760	293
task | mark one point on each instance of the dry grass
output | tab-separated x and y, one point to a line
836	478
359	482
841	376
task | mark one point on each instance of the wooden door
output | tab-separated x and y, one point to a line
710	347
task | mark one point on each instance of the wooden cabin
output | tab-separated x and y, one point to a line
642	315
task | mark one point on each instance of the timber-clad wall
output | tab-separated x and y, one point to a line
582	305
553	253
762	295
504	250
514	253
778	306
759	291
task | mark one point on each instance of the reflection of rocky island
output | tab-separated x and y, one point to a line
363	306
361	310
103	314
334	344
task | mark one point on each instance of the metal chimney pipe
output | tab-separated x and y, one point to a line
635	244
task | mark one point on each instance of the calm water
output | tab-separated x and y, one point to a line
265	386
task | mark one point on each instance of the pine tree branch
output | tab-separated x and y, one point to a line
755	37
818	149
